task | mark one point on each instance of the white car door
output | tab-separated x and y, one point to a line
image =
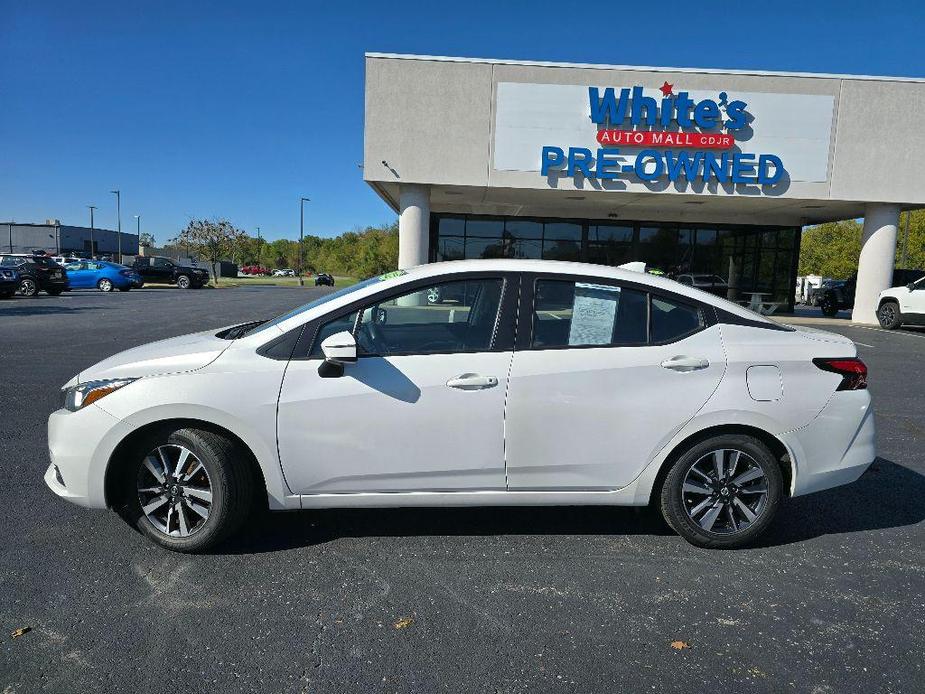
912	302
602	378
422	409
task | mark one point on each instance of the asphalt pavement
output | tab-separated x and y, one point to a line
462	600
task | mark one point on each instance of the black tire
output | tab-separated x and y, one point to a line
230	478
184	282
677	505
104	285
28	287
889	315
829	307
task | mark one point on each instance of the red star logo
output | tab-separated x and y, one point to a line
666	89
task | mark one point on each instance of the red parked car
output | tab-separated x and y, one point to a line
255	270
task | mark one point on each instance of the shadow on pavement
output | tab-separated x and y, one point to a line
43	309
887	496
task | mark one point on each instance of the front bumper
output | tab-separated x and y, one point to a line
80	445
837	447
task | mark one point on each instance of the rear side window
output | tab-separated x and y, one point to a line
673	320
581	314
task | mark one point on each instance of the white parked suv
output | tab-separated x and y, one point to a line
545	383
284	272
902	305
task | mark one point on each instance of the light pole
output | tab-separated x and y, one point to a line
118	221
138	230
302	202
92	207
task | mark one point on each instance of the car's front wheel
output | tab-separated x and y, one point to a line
188	489
28	287
104	285
889	316
829	307
723	492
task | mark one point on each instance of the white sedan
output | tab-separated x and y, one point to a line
543	383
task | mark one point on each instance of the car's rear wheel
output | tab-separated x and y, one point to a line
104	285
183	282
188	489
889	316
28	287
829	307
723	492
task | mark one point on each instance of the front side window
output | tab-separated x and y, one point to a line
457	316
581	314
162	263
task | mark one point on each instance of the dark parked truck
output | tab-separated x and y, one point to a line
165	271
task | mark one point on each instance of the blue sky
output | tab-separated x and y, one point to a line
235	109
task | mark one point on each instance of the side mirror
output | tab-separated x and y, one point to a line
911	286
340	348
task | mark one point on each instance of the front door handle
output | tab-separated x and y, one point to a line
472	382
683	364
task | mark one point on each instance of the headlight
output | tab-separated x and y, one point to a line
79	396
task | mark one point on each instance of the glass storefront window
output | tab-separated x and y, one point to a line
562	250
748	257
562	231
485	228
523	229
452	226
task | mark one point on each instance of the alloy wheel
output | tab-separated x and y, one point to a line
183	282
174	490
105	285
28	287
887	315
725	491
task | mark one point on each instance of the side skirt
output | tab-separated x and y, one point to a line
625	496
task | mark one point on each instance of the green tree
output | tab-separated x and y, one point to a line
831	249
213	239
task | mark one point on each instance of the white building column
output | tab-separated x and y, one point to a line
875	266
413	225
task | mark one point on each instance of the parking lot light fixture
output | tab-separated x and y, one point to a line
118	220
92	207
302	202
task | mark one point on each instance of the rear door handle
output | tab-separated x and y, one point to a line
682	363
472	382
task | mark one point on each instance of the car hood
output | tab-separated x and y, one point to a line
174	355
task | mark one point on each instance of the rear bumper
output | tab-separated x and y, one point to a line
836	447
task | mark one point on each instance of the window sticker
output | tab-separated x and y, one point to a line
593	314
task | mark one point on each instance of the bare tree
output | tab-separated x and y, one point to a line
213	239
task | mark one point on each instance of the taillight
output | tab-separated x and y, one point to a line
852	370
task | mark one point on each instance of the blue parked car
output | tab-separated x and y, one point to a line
9	282
102	275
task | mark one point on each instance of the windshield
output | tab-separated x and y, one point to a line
325	299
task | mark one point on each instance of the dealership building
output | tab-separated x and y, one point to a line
62	239
692	171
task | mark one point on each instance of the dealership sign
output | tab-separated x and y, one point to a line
674	137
